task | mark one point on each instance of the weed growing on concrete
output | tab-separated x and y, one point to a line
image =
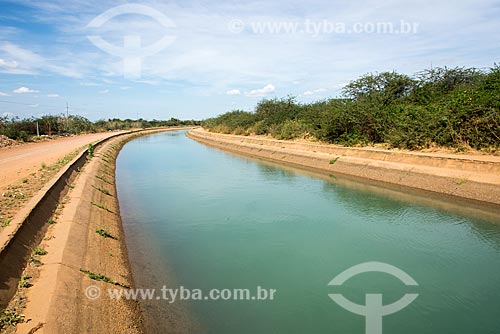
100	277
104	233
101	206
9	317
334	160
24	282
103	179
39	251
104	191
6	222
36	261
90	150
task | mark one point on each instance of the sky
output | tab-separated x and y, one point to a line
198	59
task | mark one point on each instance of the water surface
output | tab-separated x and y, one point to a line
202	218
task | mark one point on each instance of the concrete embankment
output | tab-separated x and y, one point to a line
475	178
80	201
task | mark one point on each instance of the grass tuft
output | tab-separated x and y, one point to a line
36	261
104	233
9	317
103	179
90	149
39	251
100	277
334	160
24	282
6	222
104	191
101	206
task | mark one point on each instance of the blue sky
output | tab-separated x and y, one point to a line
217	59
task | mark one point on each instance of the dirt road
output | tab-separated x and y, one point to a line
20	161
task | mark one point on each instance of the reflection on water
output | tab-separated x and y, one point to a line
201	218
271	173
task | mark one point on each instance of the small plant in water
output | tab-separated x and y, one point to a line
51	221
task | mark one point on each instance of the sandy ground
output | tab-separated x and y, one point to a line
20	161
473	177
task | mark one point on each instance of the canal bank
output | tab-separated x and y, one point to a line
475	178
83	246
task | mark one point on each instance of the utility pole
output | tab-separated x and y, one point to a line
37	130
67	114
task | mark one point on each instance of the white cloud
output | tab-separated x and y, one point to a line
34	106
7	114
4	94
314	92
89	84
17	60
266	90
233	92
23	90
6	63
104	91
52	95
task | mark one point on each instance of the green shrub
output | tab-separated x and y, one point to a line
449	107
292	129
259	128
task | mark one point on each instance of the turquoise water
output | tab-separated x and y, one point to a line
200	218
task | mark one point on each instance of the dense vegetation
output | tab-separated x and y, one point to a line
25	129
457	108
